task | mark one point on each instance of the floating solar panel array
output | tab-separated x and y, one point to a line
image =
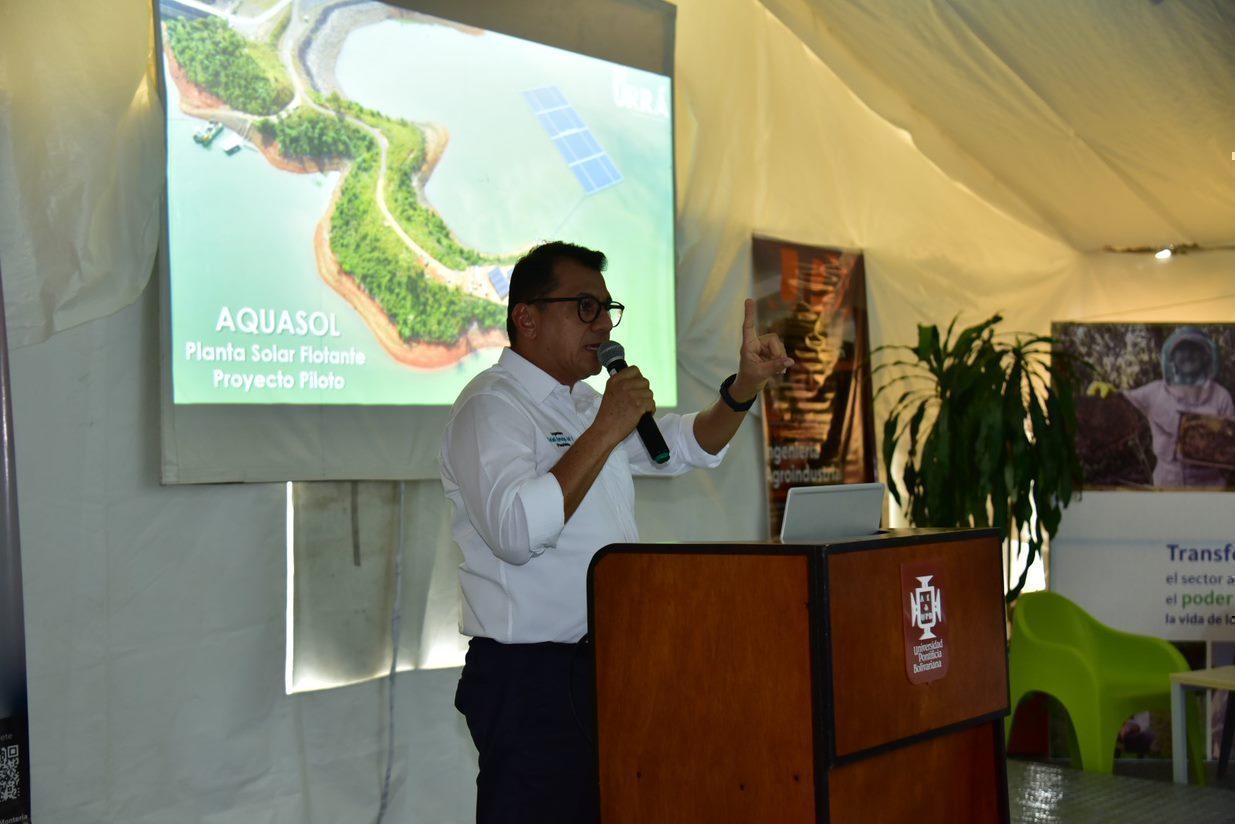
581	151
501	283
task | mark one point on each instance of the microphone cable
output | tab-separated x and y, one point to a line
394	662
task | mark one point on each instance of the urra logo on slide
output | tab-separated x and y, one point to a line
924	622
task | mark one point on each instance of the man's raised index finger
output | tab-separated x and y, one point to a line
748	322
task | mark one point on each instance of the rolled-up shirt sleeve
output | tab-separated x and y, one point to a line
489	455
685	453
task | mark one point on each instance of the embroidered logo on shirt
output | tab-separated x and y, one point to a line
561	439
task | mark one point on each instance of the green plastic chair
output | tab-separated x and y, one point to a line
1100	675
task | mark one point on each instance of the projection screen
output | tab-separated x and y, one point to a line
349	185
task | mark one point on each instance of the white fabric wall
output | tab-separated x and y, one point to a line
155	626
81	154
155	615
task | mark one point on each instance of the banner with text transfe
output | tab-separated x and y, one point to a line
1160	565
818	417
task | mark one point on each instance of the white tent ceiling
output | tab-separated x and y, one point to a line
1105	124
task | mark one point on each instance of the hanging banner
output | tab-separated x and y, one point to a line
818	417
14	715
1155	415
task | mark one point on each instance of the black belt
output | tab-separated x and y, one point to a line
547	646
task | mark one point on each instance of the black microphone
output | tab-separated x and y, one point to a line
612	357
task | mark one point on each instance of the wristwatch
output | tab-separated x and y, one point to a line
735	405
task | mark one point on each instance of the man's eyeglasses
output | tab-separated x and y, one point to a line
590	307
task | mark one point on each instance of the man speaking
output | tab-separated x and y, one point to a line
539	468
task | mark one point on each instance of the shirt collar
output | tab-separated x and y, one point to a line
538	383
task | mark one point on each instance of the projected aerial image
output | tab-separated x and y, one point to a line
350	184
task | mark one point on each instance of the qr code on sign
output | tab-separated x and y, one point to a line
9	784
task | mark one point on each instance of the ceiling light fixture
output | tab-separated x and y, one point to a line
1164	252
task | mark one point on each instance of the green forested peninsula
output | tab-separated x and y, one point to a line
421	308
306	133
246	76
406	159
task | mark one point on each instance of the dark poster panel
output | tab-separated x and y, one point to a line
14	718
818	417
1154	404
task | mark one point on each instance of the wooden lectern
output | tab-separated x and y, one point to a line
859	681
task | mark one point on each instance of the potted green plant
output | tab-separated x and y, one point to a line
986	424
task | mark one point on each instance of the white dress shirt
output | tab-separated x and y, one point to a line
524	571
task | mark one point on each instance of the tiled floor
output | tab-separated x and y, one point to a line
1139	793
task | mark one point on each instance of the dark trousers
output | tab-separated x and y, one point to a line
531	710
